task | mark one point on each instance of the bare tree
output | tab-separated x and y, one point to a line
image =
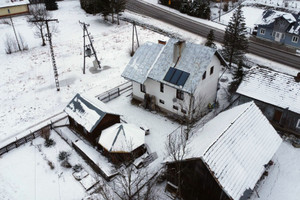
38	12
176	148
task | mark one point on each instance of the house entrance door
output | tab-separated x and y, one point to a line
278	36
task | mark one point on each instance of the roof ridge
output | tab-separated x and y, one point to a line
250	105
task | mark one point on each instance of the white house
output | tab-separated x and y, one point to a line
179	77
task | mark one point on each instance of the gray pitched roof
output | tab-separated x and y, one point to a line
87	111
271	87
194	59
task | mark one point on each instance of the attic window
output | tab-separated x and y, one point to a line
204	75
211	70
295	39
298	124
143	88
262	31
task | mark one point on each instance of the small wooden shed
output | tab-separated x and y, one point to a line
89	116
122	142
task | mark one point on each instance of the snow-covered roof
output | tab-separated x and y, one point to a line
9	3
122	138
269	17
235	146
271	87
154	60
87	111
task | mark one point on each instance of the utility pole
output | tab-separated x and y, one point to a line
88	49
12	23
134	32
49	36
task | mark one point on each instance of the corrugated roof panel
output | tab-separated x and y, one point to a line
235	146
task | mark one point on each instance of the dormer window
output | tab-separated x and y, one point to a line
204	75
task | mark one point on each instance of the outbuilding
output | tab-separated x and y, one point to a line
226	157
13	7
122	142
89	116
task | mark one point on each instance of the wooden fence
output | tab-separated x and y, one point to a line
114	92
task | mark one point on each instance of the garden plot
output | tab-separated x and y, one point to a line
33	171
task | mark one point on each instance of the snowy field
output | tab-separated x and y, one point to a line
27	77
29	96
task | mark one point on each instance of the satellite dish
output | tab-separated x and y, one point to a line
174	100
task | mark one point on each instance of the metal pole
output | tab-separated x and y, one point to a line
132	51
137	39
84	48
12	23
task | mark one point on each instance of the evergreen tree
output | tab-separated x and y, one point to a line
237	76
51	5
210	39
235	41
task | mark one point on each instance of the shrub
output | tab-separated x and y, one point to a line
51	165
66	164
77	167
49	142
63	155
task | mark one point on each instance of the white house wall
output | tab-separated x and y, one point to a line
206	91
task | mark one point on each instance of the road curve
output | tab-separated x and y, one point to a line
201	29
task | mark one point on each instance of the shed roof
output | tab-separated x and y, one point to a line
271	87
235	146
9	3
87	111
121	137
154	61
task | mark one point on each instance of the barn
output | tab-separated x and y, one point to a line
122	142
226	157
88	116
277	94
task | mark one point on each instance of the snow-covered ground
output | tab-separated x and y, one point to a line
29	96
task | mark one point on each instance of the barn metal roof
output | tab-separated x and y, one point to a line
235	146
87	111
271	87
154	61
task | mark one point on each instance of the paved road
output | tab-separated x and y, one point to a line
203	29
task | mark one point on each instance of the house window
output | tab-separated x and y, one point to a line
161	101
161	87
204	75
179	94
273	33
298	124
143	88
183	111
211	70
295	39
277	116
262	31
175	107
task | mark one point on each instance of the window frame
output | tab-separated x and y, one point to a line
294	40
175	107
142	88
183	111
162	87
262	31
161	101
212	70
204	75
298	124
179	94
